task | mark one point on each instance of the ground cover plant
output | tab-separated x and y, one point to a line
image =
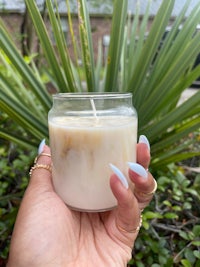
173	223
14	165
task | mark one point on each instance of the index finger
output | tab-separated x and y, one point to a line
40	173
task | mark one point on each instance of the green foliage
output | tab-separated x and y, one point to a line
156	74
14	166
171	225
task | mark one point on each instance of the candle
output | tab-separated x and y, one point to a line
84	140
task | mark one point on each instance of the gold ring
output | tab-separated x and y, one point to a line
40	166
41	154
133	231
142	194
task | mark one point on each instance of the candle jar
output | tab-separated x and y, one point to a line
88	132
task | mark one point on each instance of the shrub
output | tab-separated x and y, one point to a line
14	165
171	225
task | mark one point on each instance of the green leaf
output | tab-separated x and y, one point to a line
167	203
186	263
196	243
15	139
149	50
192	192
152	215
47	46
177	208
61	45
23	116
145	225
184	235
196	230
189	255
11	51
196	253
86	43
170	215
187	205
115	47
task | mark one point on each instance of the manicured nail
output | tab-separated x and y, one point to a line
120	175
143	139
137	168
41	146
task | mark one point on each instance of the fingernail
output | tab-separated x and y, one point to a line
137	168
143	139
120	175
41	146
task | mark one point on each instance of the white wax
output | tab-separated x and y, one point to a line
82	149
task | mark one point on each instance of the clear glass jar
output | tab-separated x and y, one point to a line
88	132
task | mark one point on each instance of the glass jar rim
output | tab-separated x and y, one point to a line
93	95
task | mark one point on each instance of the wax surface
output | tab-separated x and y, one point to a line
82	149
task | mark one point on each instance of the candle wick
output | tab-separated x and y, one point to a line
94	110
93	107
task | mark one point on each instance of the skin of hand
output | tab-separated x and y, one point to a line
48	233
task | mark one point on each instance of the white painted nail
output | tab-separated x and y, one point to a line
143	139
137	168
120	175
41	146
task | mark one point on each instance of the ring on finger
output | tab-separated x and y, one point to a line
40	166
41	154
133	231
149	193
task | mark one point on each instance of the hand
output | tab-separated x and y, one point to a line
48	233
